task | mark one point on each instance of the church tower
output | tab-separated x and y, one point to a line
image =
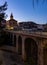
11	16
12	23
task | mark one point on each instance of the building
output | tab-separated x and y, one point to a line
10	24
28	25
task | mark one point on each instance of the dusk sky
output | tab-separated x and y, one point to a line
23	10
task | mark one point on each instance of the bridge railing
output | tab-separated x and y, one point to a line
42	34
32	32
28	32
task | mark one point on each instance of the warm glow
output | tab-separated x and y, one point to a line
12	28
9	27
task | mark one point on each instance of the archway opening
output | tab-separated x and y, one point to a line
8	38
20	45
45	55
31	51
14	40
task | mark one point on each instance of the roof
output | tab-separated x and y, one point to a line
12	20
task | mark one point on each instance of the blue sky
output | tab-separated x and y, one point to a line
23	10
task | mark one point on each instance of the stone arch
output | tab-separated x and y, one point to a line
20	45
45	55
31	50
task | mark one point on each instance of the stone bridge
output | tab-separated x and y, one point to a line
32	46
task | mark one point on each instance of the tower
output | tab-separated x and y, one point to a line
11	16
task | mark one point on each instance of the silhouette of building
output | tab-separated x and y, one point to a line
10	24
28	25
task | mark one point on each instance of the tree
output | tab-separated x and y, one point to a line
3	8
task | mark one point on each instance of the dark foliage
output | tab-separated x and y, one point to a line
3	8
